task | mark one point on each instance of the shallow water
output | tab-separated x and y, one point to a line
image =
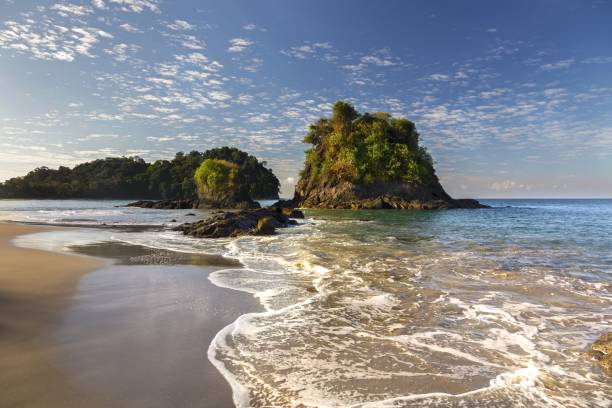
491	307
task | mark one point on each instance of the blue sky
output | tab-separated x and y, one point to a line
512	98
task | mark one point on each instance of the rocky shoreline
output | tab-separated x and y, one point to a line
190	203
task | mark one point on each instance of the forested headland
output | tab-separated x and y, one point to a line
133	177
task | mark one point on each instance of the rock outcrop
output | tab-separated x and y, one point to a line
378	196
193	203
166	204
262	221
602	351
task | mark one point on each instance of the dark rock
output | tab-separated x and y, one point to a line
288	208
378	196
190	215
284	204
242	204
182	204
261	221
295	214
601	350
266	226
173	220
166	204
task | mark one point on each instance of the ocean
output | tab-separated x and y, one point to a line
467	308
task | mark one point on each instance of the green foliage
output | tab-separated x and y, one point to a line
260	180
132	177
365	148
216	176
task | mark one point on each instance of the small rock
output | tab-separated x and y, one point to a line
602	351
266	226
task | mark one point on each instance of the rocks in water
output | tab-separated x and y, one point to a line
602	351
193	203
190	215
229	203
166	204
267	225
262	221
287	207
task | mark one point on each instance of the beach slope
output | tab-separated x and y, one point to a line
35	286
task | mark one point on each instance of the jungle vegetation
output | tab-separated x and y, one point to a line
133	178
365	149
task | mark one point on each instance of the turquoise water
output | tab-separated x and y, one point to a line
488	307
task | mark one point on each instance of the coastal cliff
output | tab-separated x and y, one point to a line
369	161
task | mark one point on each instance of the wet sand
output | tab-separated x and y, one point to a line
137	336
35	288
132	333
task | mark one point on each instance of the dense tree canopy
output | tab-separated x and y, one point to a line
365	148
132	177
216	176
261	182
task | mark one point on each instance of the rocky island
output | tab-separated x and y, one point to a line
369	161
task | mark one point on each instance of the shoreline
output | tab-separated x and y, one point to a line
36	286
134	331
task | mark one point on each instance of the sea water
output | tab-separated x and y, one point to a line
471	308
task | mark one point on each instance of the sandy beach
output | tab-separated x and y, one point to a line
35	287
134	331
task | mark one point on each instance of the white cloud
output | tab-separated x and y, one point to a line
120	51
138	6
94	136
563	64
66	9
98	4
375	60
307	50
252	27
160	81
219	95
130	28
506	185
51	41
439	77
193	43
239	44
244	99
181	25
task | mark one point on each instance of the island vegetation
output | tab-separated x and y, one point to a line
132	177
369	160
222	184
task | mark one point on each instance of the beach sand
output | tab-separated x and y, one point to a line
132	333
35	287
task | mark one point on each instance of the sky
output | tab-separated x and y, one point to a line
512	98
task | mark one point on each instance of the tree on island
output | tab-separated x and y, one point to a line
369	160
222	184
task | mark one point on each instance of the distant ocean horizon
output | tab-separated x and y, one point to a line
484	307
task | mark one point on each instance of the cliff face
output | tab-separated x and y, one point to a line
369	161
